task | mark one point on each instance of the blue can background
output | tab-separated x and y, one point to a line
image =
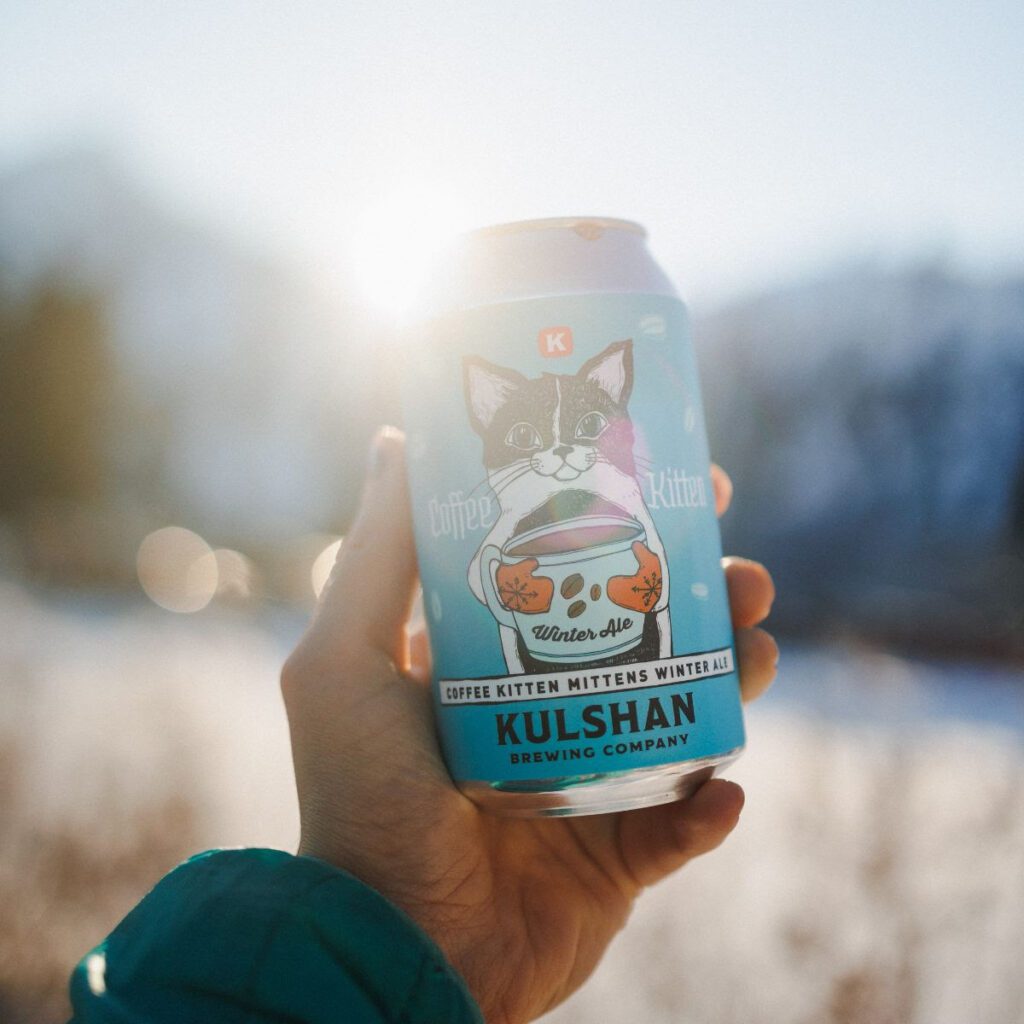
445	460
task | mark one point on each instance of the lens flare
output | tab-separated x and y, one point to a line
322	565
398	239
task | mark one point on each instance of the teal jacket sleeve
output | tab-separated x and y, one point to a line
260	936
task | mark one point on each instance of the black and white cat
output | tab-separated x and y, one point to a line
556	447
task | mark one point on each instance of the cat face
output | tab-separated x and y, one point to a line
557	425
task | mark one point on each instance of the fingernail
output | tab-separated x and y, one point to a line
382	448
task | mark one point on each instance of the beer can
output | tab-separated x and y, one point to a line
569	553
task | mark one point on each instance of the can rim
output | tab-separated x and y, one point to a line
584	226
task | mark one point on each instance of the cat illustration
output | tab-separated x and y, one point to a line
557	447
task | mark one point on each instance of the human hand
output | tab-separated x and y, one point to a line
522	908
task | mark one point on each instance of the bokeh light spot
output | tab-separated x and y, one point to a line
177	569
235	574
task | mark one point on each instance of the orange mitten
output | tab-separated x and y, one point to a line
641	591
520	591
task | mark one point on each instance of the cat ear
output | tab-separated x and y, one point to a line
612	371
487	388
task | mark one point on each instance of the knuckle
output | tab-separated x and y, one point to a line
316	664
736	564
293	673
760	653
753	640
762	638
739	562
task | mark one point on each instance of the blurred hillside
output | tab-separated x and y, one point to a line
873	421
152	373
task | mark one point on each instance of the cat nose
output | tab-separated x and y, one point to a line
563	451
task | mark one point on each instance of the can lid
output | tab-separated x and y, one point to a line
590	228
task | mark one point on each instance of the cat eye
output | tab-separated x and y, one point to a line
524	437
590	427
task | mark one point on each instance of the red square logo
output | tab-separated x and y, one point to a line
553	342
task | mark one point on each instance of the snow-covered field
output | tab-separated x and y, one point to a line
877	875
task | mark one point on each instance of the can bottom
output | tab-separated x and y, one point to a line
596	794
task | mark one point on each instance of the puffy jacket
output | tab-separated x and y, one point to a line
255	936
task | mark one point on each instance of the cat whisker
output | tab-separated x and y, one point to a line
530	467
638	460
511	467
498	477
509	480
477	487
498	494
604	460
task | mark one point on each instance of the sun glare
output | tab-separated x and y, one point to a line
322	566
397	239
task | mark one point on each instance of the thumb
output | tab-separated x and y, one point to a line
369	593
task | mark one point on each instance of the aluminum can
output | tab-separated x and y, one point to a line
569	553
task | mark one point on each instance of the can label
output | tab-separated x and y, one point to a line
567	539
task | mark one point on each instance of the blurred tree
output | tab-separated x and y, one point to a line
1017	512
55	391
874	423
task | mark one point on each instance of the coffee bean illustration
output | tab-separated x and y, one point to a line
595	592
577	608
572	585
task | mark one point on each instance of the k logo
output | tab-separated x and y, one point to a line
554	342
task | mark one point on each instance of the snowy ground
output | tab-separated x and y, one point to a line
877	874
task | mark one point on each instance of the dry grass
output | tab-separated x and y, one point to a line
63	887
127	742
873	879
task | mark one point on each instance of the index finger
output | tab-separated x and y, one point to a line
723	488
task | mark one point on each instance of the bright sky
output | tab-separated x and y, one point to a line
755	140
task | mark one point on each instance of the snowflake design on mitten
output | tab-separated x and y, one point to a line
642	591
520	591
